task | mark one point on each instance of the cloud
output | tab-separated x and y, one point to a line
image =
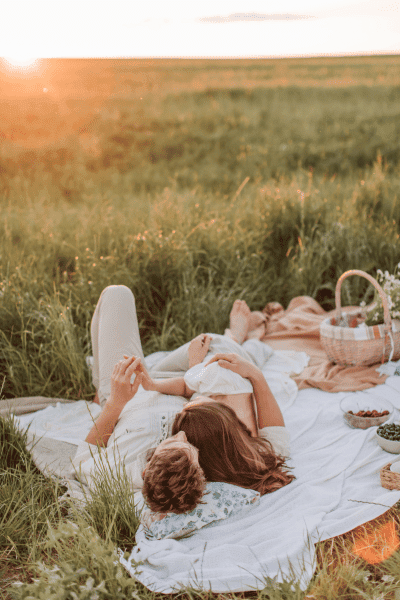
254	17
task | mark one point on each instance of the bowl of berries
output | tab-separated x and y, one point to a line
362	412
388	437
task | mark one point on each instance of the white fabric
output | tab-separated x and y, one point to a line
64	422
279	438
337	488
389	368
176	363
214	379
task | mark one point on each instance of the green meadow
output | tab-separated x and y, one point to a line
193	183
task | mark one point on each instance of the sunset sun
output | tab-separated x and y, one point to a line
21	62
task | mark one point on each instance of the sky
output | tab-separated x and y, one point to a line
209	28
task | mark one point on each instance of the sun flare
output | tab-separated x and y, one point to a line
21	62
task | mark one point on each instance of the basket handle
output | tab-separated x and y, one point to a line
386	315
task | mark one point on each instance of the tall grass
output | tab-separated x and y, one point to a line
254	187
180	252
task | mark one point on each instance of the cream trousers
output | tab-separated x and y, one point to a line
115	332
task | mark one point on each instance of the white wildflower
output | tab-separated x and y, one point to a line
388	578
391	286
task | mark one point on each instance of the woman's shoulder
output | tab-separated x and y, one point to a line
279	437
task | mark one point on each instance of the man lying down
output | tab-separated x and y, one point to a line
180	436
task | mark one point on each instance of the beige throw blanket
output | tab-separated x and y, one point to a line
297	328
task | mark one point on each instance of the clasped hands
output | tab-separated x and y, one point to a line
122	390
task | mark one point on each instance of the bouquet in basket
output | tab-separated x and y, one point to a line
391	286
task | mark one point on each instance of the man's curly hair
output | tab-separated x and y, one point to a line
172	482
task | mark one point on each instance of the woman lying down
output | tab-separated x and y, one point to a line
211	418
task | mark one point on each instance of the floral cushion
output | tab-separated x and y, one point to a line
220	501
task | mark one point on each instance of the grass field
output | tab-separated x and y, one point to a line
193	183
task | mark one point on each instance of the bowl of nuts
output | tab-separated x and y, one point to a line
362	412
388	437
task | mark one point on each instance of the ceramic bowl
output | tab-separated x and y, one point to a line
391	446
355	404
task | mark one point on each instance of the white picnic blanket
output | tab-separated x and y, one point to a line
337	488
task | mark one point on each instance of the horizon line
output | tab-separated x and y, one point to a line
219	57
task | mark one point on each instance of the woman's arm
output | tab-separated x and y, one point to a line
174	386
269	413
121	392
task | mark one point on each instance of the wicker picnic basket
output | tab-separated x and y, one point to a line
360	346
389	480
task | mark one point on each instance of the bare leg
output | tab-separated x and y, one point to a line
239	321
257	327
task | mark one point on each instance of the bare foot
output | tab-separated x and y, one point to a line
257	326
239	320
272	308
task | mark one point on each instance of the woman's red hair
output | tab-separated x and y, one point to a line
228	452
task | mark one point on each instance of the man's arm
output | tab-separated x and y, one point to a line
121	392
104	424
